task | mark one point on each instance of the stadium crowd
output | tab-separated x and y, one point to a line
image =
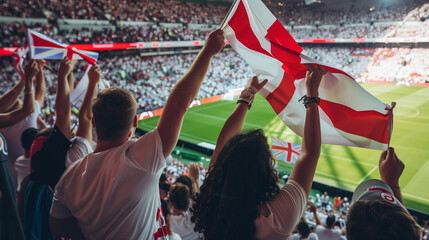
80	174
150	79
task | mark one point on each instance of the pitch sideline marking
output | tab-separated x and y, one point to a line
369	173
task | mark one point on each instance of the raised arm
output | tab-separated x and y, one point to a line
194	175
235	121
15	116
391	168
8	99
40	85
62	99
305	166
85	113
185	91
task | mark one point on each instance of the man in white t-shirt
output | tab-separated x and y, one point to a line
113	193
328	232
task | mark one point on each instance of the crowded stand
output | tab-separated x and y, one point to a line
78	172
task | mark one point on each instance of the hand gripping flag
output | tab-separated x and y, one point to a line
349	115
284	151
78	94
44	47
19	55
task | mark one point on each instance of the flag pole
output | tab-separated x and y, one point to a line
222	25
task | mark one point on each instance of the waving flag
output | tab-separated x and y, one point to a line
78	94
349	115
285	151
20	54
44	47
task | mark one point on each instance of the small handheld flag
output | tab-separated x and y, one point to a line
44	47
19	55
285	151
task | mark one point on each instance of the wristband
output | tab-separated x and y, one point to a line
28	92
249	105
307	100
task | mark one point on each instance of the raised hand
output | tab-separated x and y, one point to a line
390	167
194	171
40	63
94	74
30	71
252	87
66	67
214	43
313	78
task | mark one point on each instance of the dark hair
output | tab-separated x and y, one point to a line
114	110
166	211
380	220
27	137
180	196
241	179
186	181
165	186
303	229
330	221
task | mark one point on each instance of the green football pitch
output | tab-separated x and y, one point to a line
339	166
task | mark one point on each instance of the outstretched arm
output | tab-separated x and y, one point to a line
8	99
235	121
185	91
62	99
194	175
39	85
305	166
391	168
85	113
10	118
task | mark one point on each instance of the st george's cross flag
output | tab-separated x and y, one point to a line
285	151
44	47
349	115
19	55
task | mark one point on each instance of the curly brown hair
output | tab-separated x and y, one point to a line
242	178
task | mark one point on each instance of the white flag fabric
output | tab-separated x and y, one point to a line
78	94
349	115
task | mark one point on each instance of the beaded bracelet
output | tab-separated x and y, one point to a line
307	100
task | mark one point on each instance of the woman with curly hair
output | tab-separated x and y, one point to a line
240	198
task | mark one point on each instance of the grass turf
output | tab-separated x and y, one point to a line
339	166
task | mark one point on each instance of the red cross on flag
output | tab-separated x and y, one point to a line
349	115
285	151
19	55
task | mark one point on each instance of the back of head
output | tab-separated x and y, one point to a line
330	221
303	229
186	181
241	179
180	196
27	137
114	110
380	220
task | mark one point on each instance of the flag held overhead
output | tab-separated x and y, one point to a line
349	115
44	47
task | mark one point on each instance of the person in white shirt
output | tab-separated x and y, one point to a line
240	198
113	193
304	233
328	232
22	163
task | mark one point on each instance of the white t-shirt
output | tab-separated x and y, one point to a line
114	194
182	225
312	236
22	169
285	210
13	134
174	236
79	149
328	234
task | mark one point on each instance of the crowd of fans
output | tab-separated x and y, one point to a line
151	79
185	12
91	184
